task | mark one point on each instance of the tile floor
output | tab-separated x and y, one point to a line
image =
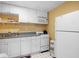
41	55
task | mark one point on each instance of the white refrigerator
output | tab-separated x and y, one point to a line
67	35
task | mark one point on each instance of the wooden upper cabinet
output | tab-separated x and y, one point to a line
8	17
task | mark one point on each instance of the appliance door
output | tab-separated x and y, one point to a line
68	22
66	45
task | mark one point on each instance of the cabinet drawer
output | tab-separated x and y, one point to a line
43	48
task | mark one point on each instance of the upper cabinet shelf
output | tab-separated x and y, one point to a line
8	17
25	15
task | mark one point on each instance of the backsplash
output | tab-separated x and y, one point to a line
21	27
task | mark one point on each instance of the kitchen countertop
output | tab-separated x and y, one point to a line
18	35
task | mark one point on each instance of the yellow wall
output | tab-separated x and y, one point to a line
66	7
18	27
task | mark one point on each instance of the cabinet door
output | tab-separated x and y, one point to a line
35	44
4	48
32	16
45	18
14	47
27	15
3	41
0	7
14	10
45	14
23	15
5	8
42	17
39	16
25	46
9	9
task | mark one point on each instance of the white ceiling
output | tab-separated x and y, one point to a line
39	5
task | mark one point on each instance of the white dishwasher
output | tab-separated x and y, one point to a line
44	42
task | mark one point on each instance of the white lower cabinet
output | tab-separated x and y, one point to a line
25	46
4	49
35	44
14	47
3	46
